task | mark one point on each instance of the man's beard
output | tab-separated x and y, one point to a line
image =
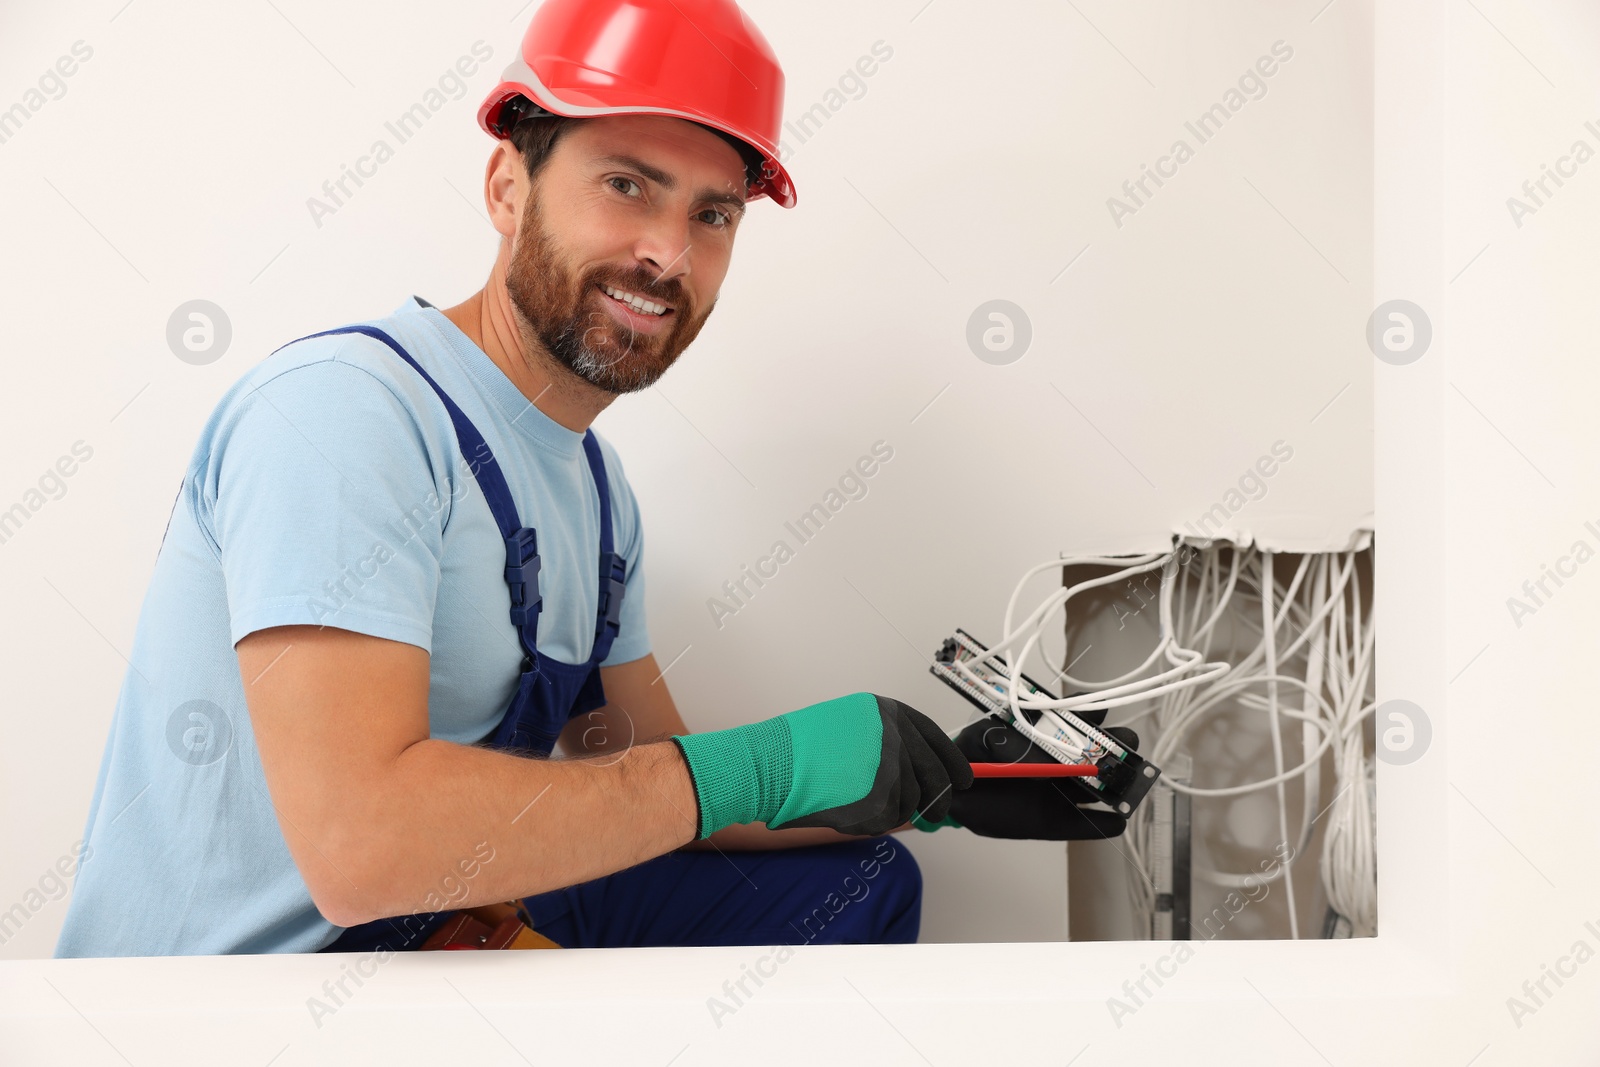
564	313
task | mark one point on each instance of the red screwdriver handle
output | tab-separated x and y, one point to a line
1034	770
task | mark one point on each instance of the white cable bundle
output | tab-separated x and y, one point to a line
1349	848
1314	627
1053	733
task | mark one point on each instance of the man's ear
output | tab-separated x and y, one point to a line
505	187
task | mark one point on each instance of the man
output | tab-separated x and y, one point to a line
401	569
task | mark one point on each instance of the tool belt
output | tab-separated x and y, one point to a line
493	926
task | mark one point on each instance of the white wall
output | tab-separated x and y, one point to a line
1168	353
1485	472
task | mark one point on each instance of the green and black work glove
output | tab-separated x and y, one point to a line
1044	809
861	764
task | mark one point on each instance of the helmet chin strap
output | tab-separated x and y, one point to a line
515	110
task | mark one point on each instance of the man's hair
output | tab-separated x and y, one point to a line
536	137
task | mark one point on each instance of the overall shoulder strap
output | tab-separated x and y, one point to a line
522	552
474	449
612	566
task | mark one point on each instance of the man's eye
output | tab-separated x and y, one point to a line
628	181
718	218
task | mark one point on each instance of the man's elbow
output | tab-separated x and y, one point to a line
353	874
341	909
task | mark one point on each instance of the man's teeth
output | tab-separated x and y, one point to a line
638	303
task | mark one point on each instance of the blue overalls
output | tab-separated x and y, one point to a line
812	895
549	692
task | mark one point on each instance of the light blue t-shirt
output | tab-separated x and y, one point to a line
327	488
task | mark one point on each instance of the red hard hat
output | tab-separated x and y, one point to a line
700	60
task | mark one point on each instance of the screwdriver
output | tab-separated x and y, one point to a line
1034	770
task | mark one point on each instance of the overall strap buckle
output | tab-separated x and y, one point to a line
522	576
613	569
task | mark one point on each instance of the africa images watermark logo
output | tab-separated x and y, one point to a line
51	85
851	85
199	733
51	485
1251	85
336	192
1252	486
1537	592
421	520
1536	992
851	485
1137	992
451	890
1537	192
736	992
52	885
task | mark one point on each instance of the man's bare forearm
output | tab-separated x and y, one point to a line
457	826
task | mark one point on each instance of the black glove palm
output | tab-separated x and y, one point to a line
1044	809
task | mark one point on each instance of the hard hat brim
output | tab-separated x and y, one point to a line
519	79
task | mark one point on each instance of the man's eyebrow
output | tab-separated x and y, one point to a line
667	181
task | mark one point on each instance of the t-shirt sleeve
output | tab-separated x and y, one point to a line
325	506
633	637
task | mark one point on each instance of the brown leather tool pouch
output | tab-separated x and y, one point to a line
494	926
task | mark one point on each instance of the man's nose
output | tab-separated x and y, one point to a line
665	249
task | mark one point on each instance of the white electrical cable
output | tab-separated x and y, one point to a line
1270	641
1107	693
1239	608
